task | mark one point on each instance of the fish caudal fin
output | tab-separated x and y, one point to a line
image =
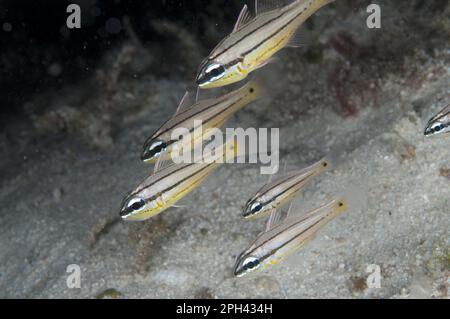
341	207
254	89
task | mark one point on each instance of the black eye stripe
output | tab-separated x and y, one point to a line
135	206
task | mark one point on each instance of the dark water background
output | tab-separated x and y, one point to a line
39	53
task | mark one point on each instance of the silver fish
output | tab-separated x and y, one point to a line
254	40
279	241
199	119
168	184
280	191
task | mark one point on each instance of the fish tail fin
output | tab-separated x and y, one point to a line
324	165
253	90
341	207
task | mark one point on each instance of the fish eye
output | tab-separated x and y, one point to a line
437	127
157	147
214	71
256	207
250	263
133	205
136	203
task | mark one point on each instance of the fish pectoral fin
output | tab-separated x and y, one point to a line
162	163
179	206
243	19
274	218
266	62
297	40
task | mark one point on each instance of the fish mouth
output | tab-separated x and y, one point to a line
238	270
247	214
201	80
123	214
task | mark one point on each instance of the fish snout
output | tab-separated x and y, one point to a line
239	269
201	79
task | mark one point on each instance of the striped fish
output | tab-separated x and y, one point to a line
167	185
198	122
254	40
440	123
277	193
279	241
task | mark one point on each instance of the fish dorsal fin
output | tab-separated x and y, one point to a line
274	218
183	105
243	19
262	6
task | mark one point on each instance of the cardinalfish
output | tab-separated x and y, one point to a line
197	122
254	40
277	193
440	123
281	239
168	184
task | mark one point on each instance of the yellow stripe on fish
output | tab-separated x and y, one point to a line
254	41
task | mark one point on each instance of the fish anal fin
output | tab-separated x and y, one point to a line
243	19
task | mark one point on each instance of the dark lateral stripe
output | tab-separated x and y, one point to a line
287	228
246	36
177	123
274	33
185	179
159	179
281	181
290	240
286	190
217	114
195	114
256	29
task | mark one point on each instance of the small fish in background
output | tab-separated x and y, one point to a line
254	40
440	123
212	113
279	192
279	240
169	183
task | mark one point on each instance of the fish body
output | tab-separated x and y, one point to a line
198	121
282	190
253	42
163	188
277	243
440	123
